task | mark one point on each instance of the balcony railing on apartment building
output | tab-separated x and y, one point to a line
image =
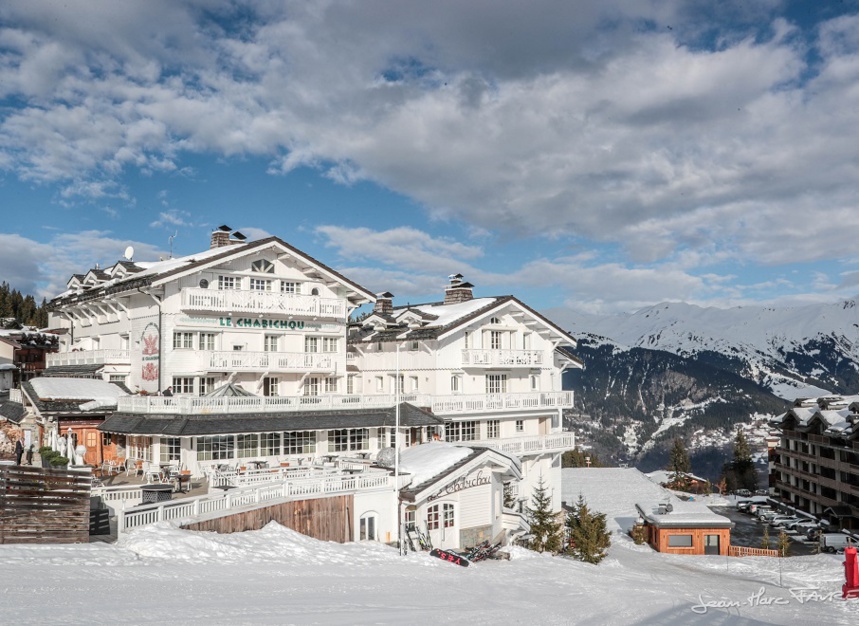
556	442
241	301
231	361
501	358
440	405
89	357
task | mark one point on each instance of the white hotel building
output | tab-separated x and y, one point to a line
267	321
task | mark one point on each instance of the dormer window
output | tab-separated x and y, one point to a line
494	320
263	266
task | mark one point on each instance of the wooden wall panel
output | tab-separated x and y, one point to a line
328	519
43	505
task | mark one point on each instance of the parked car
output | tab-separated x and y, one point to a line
800	521
803	528
813	534
745	493
782	521
835	542
765	513
755	508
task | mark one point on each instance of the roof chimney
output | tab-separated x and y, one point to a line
220	237
458	291
384	303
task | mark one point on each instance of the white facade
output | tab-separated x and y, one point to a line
273	322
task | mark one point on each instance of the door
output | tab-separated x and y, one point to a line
442	526
711	544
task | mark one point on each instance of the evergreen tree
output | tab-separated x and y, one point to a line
740	472
679	465
577	458
589	538
545	527
783	543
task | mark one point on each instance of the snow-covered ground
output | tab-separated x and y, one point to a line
161	574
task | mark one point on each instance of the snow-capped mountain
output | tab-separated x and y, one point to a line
682	370
793	351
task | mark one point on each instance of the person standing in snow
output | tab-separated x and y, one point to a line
19	452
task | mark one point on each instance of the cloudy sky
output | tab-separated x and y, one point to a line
601	155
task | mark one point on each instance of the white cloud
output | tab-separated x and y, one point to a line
587	121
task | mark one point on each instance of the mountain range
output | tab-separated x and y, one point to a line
676	369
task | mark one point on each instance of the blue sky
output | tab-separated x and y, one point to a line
597	156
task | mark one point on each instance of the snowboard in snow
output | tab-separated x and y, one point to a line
450	557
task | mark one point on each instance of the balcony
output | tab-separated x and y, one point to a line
238	301
502	358
233	361
525	446
89	357
440	405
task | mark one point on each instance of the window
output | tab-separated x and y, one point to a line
414	345
299	442
260	284
207	341
679	541
397	384
288	287
446	516
520	426
269	444
496	383
350	384
116	378
380	384
217	448
466	341
270	386
409	519
207	384
331	385
348	439
413	384
495	340
270	343
228	282
455	383
329	344
311	386
183	341
183	384
263	266
492	429
460	431
247	446
494	320
311	344
170	447
535	382
367	530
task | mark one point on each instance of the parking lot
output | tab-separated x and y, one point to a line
749	532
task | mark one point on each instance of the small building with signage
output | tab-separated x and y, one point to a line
456	494
685	528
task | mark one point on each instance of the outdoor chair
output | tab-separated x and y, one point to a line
133	467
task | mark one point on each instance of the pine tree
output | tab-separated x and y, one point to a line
740	472
742	451
577	458
545	527
783	543
679	465
589	538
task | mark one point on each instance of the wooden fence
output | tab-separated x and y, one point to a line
744	551
44	505
328	519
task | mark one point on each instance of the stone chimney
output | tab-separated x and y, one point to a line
458	291
384	303
220	237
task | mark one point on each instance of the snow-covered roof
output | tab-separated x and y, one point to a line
425	461
51	388
447	313
660	477
618	492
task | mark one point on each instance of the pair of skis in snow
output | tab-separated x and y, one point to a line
417	539
479	552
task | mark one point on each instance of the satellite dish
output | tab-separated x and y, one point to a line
129	253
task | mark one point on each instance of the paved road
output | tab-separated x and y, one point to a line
748	531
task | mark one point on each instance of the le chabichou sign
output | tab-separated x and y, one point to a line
259	323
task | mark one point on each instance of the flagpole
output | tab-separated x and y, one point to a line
397	452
